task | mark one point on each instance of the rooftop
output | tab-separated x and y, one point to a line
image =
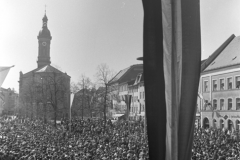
127	74
230	56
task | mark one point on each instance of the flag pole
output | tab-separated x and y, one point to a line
70	111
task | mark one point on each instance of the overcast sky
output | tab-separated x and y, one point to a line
86	33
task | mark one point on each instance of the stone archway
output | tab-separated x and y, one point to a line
205	123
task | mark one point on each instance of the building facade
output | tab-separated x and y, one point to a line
220	89
138	97
124	84
8	101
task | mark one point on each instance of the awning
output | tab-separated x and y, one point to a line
118	115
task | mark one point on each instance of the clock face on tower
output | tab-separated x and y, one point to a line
44	43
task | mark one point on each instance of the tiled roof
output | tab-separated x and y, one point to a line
228	57
129	72
131	82
119	75
215	54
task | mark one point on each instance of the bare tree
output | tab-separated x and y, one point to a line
56	89
103	75
28	97
82	93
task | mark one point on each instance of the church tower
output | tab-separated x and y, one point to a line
44	41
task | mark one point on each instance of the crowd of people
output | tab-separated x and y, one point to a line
90	139
216	144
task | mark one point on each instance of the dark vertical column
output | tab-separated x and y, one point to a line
154	79
191	66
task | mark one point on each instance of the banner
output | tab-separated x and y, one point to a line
71	99
182	65
172	64
3	73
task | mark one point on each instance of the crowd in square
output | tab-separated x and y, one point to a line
216	144
89	139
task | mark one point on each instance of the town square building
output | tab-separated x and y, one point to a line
119	87
8	101
44	89
219	87
136	89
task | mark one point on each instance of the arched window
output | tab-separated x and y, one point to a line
205	123
237	103
214	104
214	123
214	85
221	104
229	104
221	123
238	82
229	80
230	125
237	124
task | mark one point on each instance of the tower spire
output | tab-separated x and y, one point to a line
45	8
44	41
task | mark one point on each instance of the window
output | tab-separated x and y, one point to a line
237	103
205	105
214	85
214	104
205	86
214	123
237	124
238	82
229	104
229	80
221	104
143	95
221	123
221	84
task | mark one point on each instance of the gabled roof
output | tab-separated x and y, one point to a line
214	55
44	69
127	74
48	69
230	56
119	75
